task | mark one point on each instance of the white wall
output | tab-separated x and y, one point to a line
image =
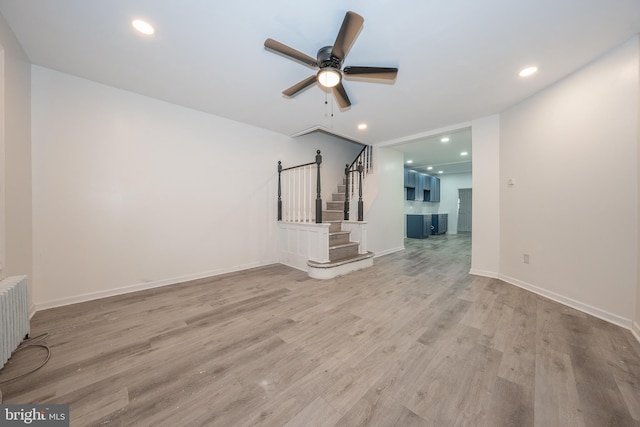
485	238
449	186
572	150
333	163
636	324
16	168
418	207
131	192
384	210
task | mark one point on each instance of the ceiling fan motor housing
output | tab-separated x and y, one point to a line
326	59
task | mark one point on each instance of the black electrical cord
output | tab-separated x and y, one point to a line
30	342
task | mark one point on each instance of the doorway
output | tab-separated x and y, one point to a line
465	207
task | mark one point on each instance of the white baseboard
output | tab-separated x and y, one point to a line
586	308
388	251
144	286
635	330
32	311
293	265
490	274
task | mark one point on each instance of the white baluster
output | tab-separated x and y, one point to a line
304	195
300	201
310	193
290	197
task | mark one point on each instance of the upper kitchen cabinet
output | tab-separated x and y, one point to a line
421	186
410	178
433	193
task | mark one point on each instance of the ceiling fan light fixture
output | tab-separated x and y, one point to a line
329	77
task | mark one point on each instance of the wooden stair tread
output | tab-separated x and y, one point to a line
341	261
344	245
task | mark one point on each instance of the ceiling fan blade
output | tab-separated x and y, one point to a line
349	31
291	53
299	87
386	73
341	96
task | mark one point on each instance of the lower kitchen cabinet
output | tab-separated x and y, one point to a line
421	226
439	223
418	226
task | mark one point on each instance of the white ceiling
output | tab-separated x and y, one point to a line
440	152
457	59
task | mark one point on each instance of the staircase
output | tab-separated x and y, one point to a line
344	255
316	240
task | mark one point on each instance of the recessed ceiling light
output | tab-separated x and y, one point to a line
362	126
464	153
445	139
409	161
430	168
143	26
528	71
439	171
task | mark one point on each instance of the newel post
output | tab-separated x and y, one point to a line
346	193
318	195
360	203
279	191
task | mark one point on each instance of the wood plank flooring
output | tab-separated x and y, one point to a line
413	341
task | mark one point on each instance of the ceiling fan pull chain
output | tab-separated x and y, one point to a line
326	105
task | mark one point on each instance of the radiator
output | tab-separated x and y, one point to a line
14	315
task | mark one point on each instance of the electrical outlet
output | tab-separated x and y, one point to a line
525	258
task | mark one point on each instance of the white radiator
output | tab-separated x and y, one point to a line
14	315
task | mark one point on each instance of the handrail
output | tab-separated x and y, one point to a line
295	167
364	161
348	172
358	156
297	186
366	156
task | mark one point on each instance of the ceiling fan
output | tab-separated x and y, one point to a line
329	62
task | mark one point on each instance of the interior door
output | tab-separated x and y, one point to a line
465	198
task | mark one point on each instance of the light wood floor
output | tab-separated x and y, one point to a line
412	341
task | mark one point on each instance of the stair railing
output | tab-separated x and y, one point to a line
362	165
298	184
